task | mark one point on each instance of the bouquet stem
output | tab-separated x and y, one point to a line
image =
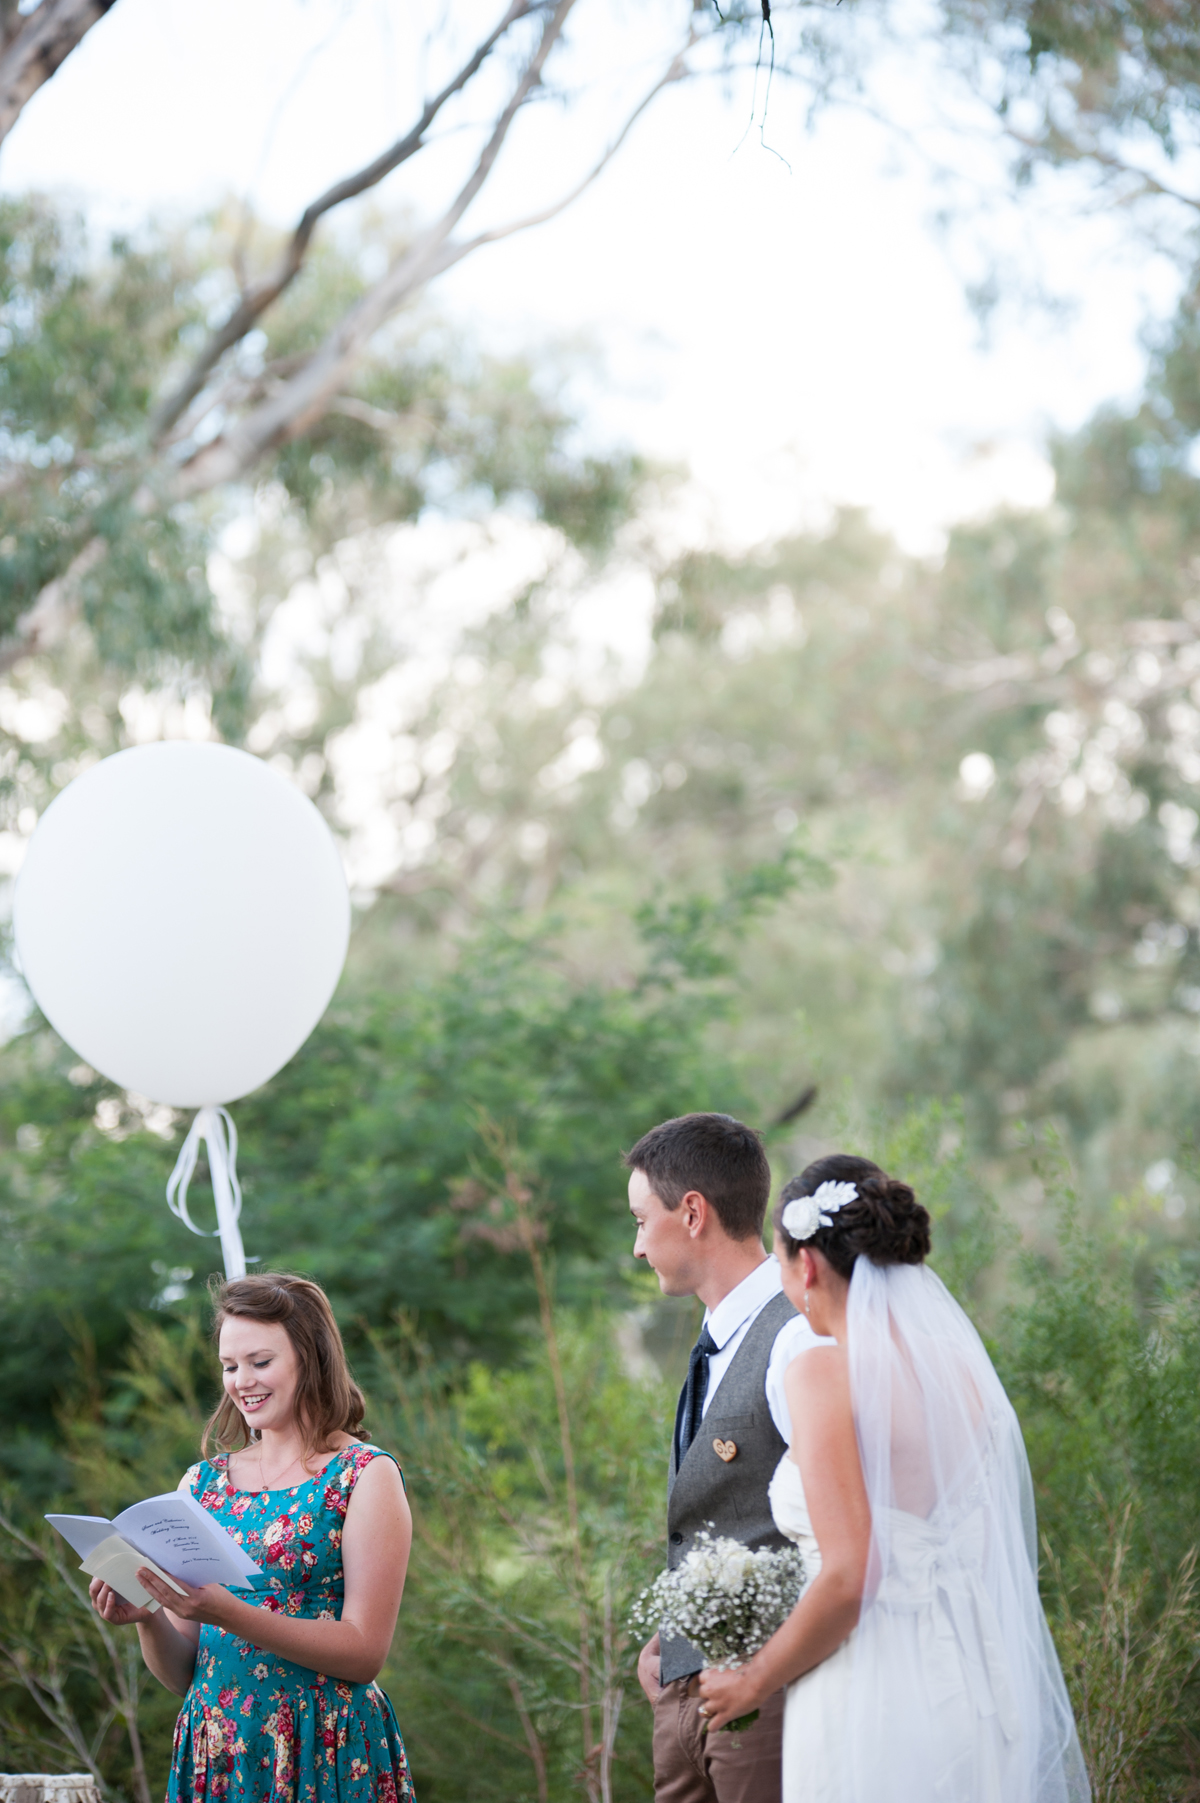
735	1727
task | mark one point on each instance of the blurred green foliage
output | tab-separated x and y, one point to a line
365	1162
1100	1350
92	334
999	750
513	1659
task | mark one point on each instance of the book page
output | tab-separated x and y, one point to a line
118	1563
82	1532
184	1539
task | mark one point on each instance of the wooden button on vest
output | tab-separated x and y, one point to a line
725	1449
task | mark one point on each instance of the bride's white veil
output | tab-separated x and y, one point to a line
957	1695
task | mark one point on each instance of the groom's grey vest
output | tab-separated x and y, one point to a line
728	1495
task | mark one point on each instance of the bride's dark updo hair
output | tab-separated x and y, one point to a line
884	1223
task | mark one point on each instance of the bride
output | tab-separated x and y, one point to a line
918	1661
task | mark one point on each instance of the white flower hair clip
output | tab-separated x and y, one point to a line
801	1218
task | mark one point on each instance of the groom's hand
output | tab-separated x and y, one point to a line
650	1668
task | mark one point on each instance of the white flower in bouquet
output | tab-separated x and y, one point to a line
726	1599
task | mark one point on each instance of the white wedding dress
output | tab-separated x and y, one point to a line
815	1711
949	1689
973	1714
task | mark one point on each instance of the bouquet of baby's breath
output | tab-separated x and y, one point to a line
725	1599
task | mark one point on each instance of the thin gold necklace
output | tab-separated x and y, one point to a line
231	1491
294	1460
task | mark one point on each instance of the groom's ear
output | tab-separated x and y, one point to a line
696	1211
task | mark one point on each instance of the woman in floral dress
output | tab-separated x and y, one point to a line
278	1675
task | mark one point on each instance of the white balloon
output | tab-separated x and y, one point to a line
182	920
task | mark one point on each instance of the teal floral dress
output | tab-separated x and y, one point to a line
255	1728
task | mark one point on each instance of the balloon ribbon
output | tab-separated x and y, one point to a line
215	1127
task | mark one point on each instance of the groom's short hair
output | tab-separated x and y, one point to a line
721	1158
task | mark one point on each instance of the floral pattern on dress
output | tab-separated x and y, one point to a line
255	1728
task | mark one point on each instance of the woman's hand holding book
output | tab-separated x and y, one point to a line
114	1608
210	1603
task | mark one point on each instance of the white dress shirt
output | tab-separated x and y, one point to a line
729	1324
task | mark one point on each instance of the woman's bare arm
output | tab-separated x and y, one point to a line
168	1644
825	1448
376	1538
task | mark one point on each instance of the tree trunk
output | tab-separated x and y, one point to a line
39	48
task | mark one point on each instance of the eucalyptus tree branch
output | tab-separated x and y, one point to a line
307	396
34	51
613	1693
537	1752
49	1695
677	70
534	1634
1058	146
521	1198
979	673
471	1715
235	389
49	1692
123	1694
378	418
42	626
277	405
314	388
255	301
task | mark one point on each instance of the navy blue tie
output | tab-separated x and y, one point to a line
691	1397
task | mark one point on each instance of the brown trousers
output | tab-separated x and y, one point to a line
690	1767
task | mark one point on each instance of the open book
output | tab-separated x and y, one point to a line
171	1535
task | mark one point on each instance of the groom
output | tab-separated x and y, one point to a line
698	1190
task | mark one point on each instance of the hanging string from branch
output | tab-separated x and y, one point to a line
766	31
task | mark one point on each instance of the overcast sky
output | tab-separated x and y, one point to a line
797	335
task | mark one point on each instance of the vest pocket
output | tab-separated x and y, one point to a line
717	1425
729	1466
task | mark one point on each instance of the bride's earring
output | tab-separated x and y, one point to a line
806	1299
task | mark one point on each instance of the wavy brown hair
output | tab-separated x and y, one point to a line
328	1401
